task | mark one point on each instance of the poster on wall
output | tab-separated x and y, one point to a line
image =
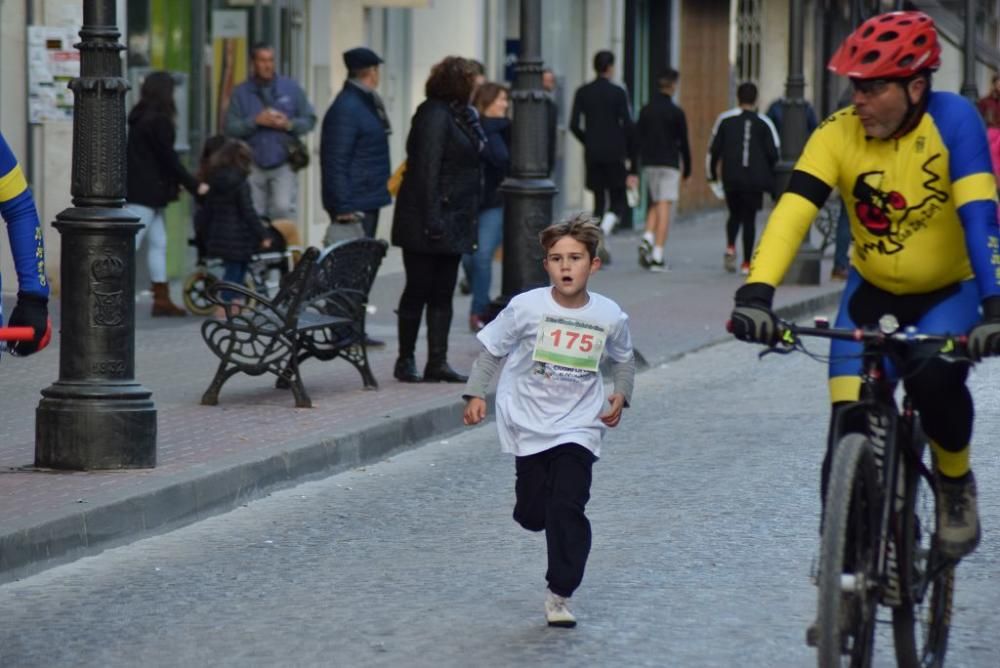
229	59
52	64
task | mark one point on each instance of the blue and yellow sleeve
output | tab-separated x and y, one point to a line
24	230
973	185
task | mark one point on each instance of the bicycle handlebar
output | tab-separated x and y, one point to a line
867	334
17	333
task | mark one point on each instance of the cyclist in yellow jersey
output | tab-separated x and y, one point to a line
913	168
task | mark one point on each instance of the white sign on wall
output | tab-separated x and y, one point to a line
52	64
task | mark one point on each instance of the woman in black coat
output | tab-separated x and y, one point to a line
435	217
154	176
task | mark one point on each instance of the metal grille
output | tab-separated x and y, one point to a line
748	40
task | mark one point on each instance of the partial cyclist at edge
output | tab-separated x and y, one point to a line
913	168
24	232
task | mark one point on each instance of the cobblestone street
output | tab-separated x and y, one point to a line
704	532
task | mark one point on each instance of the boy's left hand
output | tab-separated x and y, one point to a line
614	414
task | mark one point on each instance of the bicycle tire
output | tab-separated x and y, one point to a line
196	287
195	292
846	619
922	621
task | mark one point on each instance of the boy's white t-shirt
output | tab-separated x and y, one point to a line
540	404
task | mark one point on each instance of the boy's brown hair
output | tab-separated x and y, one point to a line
579	227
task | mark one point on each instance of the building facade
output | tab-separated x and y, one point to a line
715	44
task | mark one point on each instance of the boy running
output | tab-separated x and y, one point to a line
550	399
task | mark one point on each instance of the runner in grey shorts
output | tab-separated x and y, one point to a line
663	182
665	155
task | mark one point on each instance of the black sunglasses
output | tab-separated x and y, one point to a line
870	87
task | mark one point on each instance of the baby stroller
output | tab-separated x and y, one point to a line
264	272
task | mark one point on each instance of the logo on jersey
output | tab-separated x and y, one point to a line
888	216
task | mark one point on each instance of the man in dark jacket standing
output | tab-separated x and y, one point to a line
746	143
268	111
663	142
606	135
354	151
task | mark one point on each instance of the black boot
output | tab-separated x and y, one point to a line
408	326
437	369
406	370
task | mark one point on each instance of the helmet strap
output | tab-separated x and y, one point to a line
914	110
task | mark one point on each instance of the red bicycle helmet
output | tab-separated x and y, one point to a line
896	45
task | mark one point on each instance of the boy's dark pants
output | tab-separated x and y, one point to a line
552	490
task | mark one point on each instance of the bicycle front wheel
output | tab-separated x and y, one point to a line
921	622
848	582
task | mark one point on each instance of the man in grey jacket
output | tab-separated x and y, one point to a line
268	111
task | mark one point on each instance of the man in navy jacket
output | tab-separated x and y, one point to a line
354	151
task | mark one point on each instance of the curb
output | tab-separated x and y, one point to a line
230	483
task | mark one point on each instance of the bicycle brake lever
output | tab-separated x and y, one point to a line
776	350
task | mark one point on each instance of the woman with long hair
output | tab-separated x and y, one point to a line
435	217
491	101
155	174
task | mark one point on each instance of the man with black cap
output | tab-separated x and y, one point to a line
354	151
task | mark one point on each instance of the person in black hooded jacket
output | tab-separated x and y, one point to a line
435	217
227	221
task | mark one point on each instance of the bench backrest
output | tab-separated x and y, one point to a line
296	284
350	264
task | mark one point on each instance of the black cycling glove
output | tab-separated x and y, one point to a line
984	339
752	319
31	311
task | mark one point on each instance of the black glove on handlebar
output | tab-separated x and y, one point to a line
984	339
752	319
31	311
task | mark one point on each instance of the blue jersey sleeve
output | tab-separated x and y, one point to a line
973	185
24	230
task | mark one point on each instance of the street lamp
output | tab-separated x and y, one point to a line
528	191
96	416
969	90
805	269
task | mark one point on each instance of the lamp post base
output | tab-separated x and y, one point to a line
806	267
81	433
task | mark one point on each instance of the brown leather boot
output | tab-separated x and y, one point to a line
162	306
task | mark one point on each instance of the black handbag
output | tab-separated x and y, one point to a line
298	153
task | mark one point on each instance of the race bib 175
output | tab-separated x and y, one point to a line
569	342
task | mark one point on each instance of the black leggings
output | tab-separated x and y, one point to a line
939	393
743	208
430	281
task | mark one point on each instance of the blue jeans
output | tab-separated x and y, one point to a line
233	272
842	239
479	265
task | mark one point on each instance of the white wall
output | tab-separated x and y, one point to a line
446	28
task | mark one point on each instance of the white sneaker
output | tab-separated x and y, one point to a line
658	267
557	611
608	223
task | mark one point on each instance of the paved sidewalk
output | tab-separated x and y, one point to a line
211	459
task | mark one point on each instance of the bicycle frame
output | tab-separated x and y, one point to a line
903	570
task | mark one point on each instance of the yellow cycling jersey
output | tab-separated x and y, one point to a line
922	207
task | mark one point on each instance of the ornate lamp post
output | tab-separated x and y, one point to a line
528	191
969	89
96	416
805	270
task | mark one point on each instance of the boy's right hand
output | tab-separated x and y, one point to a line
475	411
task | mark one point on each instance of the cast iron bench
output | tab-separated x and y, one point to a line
344	276
318	312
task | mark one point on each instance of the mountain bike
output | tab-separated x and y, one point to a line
879	524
